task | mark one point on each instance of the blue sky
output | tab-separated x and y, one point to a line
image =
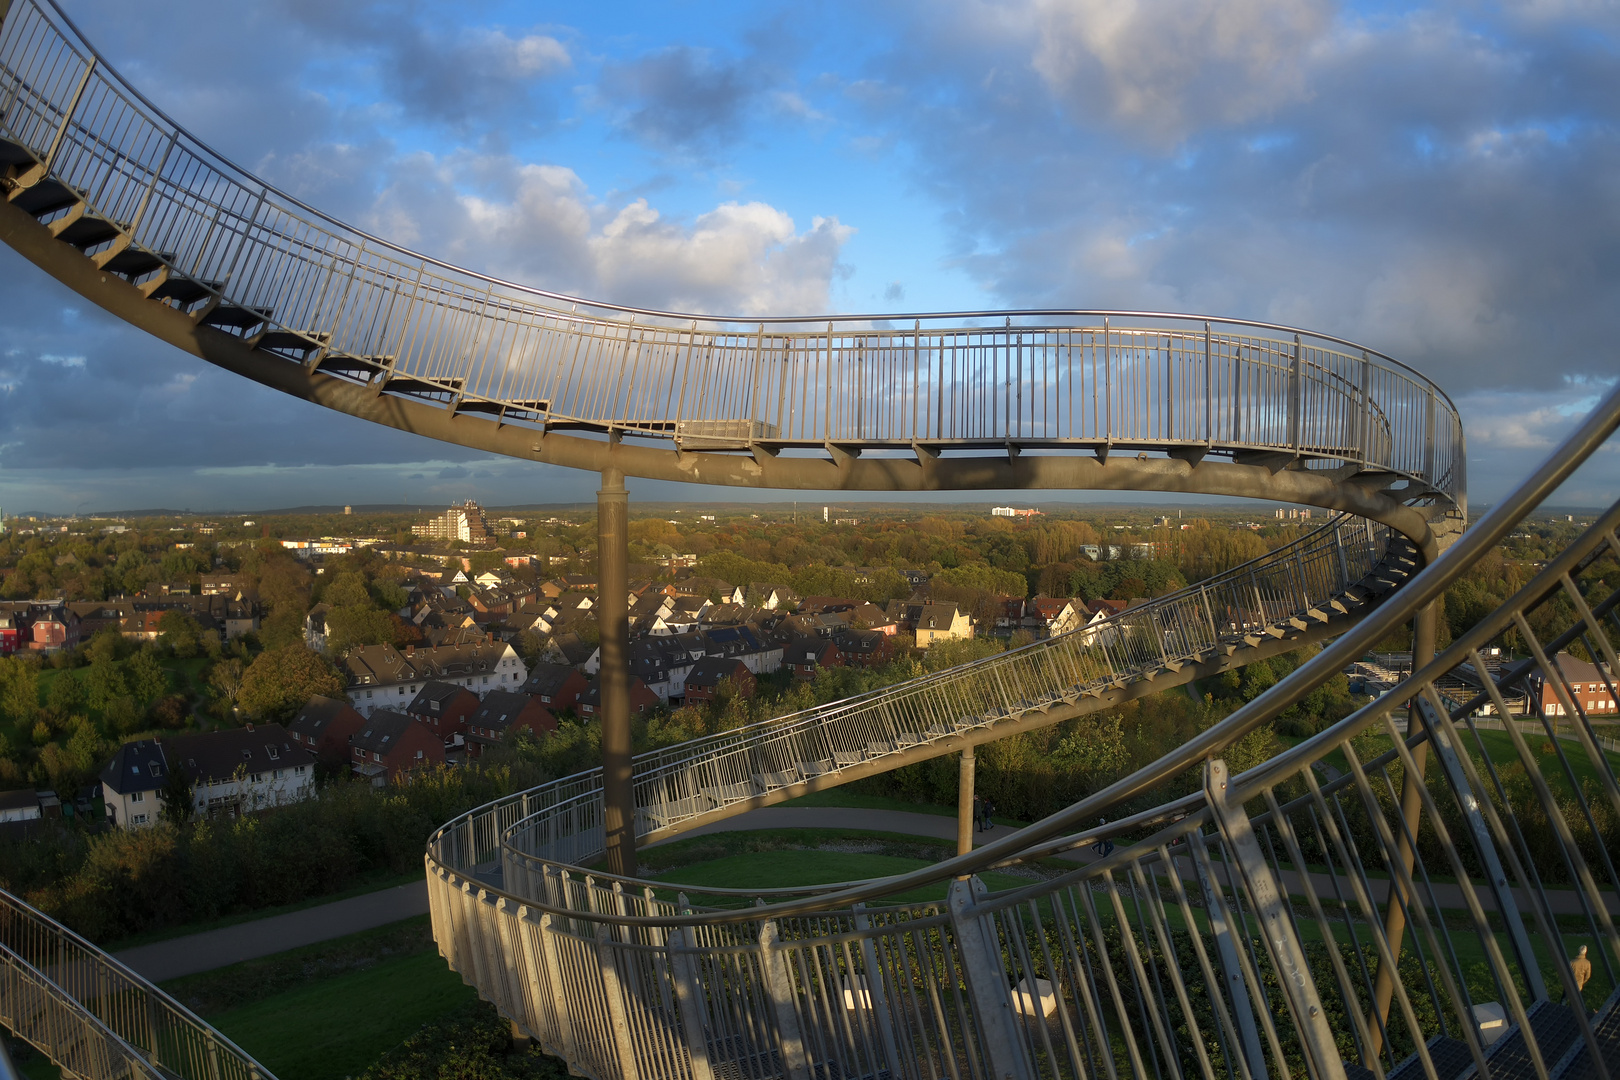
1439	182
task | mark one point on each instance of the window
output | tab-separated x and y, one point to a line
138	819
139	796
368	693
153	766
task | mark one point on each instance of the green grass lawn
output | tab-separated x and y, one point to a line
338	1026
790	868
328	1010
854	799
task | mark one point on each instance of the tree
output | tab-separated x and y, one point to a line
104	681
181	633
177	796
19	689
66	695
146	678
226	679
281	680
348	589
347	627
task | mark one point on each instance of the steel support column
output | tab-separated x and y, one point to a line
1424	629
613	620
965	822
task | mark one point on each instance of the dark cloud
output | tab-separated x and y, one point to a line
682	97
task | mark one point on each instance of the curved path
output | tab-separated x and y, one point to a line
108	195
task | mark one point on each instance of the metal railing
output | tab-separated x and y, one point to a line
1303	584
1257	928
339	300
94	1017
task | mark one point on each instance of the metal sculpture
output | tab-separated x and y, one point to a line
1199	959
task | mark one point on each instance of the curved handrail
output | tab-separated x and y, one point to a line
168	1037
692	780
341	301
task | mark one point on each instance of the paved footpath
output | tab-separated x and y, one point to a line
278	933
264	937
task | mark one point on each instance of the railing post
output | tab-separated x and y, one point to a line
986	979
964	802
67	116
779	988
1231	968
1296	397
613	991
689	999
618	788
877	994
1366	406
1276	925
554	986
1495	876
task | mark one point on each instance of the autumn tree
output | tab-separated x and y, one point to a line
281	680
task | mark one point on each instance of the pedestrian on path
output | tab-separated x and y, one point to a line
988	823
978	813
1581	968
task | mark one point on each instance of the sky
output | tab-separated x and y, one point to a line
1441	183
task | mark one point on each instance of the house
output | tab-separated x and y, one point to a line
10	633
558	686
231	772
383	677
444	708
324	726
872	617
568	649
502	711
865	648
390	745
315	627
641	698
765	595
1048	616
1588	687
54	627
931	621
19	806
703	681
806	655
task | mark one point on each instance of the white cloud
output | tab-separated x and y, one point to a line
1164	68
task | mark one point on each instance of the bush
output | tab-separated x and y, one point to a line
474	1044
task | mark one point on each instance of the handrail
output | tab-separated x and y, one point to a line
357	307
168	1035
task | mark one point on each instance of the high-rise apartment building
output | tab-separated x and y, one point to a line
466	523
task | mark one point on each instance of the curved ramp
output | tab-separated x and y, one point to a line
111	197
96	1019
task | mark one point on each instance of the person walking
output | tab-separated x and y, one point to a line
988	823
978	813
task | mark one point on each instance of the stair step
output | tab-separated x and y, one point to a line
88	231
14	153
236	315
288	341
1555	1031
409	384
364	366
184	290
136	262
45	198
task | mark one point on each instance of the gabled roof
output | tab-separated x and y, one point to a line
548	679
216	756
383	731
316	714
137	766
434	696
711	669
500	708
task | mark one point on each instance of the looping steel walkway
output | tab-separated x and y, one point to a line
1119	966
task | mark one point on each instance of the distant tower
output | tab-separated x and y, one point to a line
348	510
823	515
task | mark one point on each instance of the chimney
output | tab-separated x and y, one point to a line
410	650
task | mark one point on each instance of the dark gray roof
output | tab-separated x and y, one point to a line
316	714
137	766
433	697
382	731
499	709
711	669
547	679
215	756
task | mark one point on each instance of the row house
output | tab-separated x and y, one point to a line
444	708
504	711
390	745
804	656
1049	616
324	727
383	677
558	686
231	772
43	626
1588	687
865	648
703	681
931	621
642	700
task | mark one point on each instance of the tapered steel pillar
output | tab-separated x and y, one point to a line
1425	629
613	619
965	822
